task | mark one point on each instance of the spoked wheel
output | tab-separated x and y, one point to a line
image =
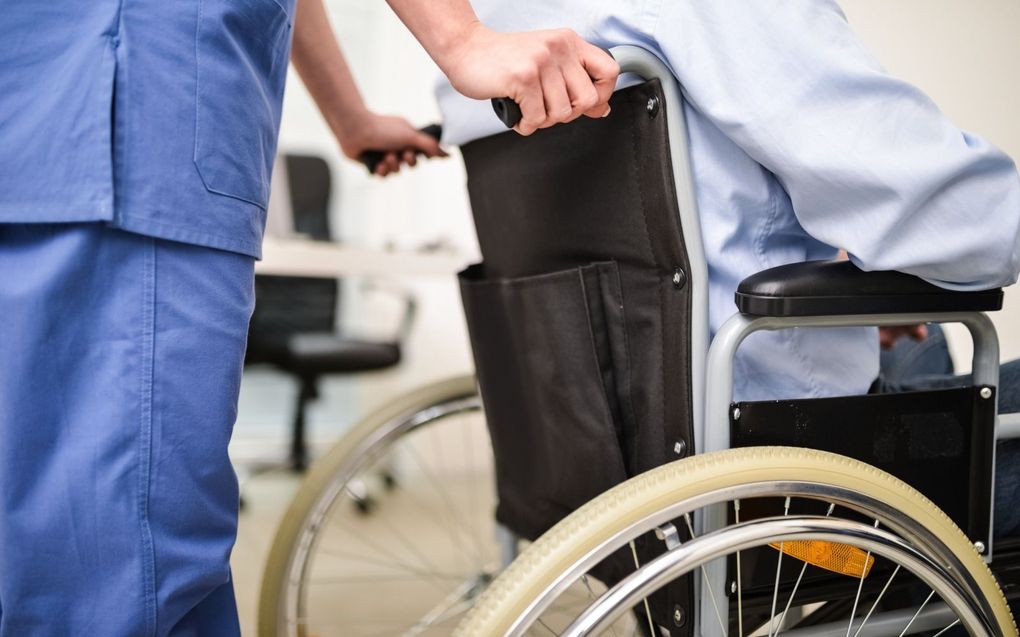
392	532
807	543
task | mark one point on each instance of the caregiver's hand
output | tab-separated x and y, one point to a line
554	76
368	131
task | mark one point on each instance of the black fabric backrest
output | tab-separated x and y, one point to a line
288	305
592	191
579	316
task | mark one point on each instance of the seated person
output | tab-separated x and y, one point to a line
800	142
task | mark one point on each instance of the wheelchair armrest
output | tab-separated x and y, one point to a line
838	288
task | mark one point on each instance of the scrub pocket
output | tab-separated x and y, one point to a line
242	50
550	354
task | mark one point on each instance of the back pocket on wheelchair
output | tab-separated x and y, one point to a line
550	354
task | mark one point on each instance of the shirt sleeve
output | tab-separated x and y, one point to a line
869	162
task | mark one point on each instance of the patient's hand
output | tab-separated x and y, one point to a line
553	75
370	131
887	336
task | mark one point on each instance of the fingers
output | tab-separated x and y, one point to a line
889	335
584	98
557	100
427	145
389	165
918	332
603	71
394	160
562	79
532	103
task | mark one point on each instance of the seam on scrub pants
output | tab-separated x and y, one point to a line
145	434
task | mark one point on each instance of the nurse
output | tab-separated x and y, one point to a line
136	143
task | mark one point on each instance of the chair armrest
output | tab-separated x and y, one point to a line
839	288
402	294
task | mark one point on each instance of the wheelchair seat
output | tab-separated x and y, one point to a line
830	288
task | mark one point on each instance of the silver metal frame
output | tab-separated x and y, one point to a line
708	548
645	64
890	518
711	401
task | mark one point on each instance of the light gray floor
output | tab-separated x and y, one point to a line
266	498
264	413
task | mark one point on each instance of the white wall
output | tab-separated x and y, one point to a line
964	53
425	205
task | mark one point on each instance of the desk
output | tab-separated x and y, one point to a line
303	257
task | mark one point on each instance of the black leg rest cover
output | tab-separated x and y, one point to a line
834	288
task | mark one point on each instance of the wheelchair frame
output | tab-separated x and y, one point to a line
712	379
711	395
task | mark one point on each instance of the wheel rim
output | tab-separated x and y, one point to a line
749	535
338	548
905	527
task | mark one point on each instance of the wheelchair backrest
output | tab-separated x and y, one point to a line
581	314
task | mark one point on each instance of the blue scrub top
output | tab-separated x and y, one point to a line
158	117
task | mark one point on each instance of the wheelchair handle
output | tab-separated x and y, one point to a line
372	158
509	112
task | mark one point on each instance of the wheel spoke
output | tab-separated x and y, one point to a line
740	587
917	614
704	575
779	567
401	539
648	611
946	628
877	600
860	587
433	576
796	585
458	527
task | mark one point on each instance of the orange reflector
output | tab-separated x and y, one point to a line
838	558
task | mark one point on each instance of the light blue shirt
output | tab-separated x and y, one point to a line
800	144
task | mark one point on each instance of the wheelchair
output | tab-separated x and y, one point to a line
654	503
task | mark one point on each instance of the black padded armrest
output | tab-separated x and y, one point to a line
830	288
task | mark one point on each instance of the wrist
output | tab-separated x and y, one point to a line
449	46
349	123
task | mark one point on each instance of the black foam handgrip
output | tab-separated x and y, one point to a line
507	111
371	158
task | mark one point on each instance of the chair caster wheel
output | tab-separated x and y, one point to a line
365	505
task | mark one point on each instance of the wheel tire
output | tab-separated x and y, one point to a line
319	479
555	552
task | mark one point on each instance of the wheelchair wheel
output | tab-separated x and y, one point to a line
392	531
813	543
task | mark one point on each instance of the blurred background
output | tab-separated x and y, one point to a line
415	230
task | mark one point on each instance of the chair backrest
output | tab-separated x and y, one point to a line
584	316
288	305
311	186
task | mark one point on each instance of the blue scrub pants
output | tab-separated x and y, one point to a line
120	363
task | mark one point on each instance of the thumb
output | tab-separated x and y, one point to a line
427	144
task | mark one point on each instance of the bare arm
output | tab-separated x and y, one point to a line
324	71
554	75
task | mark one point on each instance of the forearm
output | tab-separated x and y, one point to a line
439	25
317	57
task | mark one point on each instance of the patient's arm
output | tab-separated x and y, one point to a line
554	75
317	58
